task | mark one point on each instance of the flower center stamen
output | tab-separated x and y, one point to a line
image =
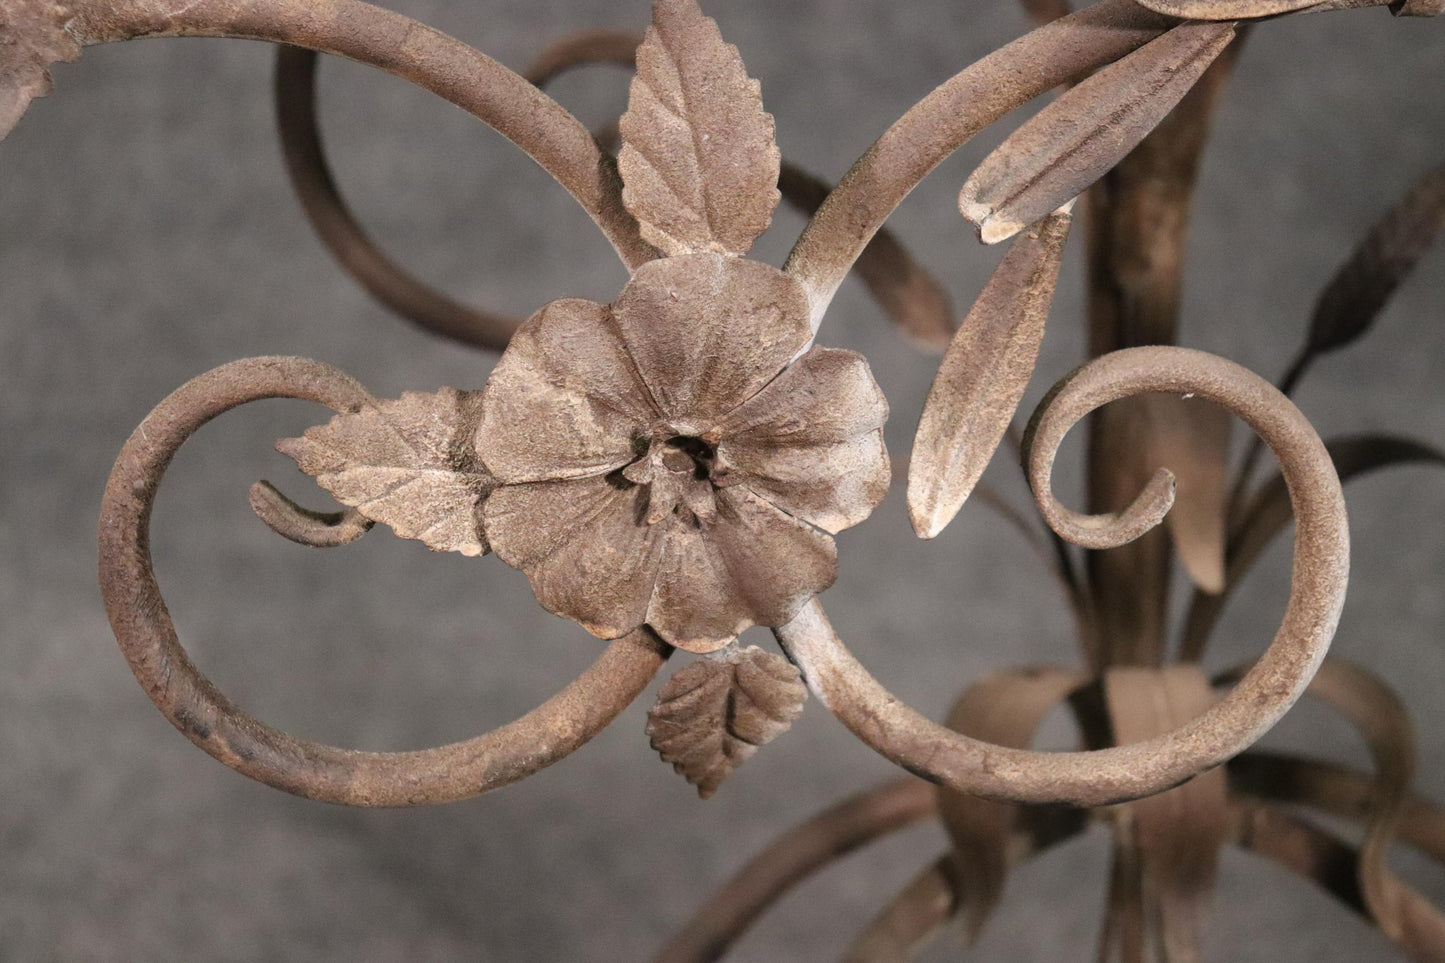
684	453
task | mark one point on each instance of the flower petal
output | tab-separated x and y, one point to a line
565	400
755	566
584	547
708	331
811	442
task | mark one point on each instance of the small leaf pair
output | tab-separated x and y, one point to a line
712	715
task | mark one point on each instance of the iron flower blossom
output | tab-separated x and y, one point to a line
681	457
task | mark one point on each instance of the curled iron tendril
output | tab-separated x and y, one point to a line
832	243
199	710
1104	776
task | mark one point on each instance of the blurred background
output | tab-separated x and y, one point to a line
148	233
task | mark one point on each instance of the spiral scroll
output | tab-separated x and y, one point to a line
198	709
1101	777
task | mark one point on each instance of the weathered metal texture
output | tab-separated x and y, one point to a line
1136	223
665	460
1005	708
983	377
302	525
343	235
193	705
945	120
502	99
1253	9
808	848
711	716
1165	846
1113	775
1418	8
1072	142
668	469
1254	524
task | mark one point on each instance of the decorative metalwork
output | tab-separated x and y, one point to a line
669	469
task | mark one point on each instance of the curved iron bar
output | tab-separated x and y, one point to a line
901	286
1379	716
935	895
1334	866
198	709
906	291
911	919
443	65
820	841
343	235
302	525
1337	790
585	48
1259	828
791	858
946	119
1103	776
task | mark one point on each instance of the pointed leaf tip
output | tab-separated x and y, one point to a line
715	712
1072	142
408	463
983	376
698	162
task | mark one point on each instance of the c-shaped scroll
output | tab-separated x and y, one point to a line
1263	695
199	710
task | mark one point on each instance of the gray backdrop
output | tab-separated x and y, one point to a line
147	233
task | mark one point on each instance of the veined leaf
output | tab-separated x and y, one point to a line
714	713
1071	143
409	463
698	162
983	376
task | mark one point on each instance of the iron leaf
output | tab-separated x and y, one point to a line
698	162
714	713
983	376
32	37
1071	143
408	463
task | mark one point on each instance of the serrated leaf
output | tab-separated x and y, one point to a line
698	162
1071	143
982	377
714	713
32	37
408	463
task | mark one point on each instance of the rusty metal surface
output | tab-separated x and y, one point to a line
668	469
